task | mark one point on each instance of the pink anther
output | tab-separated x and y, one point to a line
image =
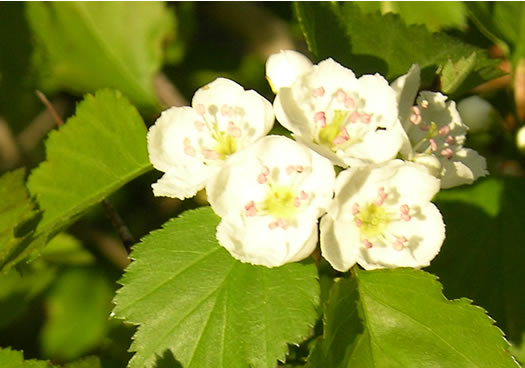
210	154
233	130
355	209
405	213
399	244
290	170
297	202
339	140
358	222
303	195
318	92
265	171
201	110
299	169
415	119
433	144
444	130
451	140
381	196
226	110
424	104
424	128
365	118
198	125
349	103
261	178
320	118
416	110
366	243
250	209
273	225
354	117
447	152
189	150
340	96
283	223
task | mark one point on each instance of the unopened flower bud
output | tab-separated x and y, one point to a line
476	113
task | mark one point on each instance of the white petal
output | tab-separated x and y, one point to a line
183	182
466	166
406	88
339	247
252	241
283	68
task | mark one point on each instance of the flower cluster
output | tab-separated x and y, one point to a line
395	152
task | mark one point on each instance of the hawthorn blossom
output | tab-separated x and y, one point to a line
435	134
349	120
381	217
283	68
269	198
190	144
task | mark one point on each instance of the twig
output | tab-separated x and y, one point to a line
125	235
168	94
50	108
9	151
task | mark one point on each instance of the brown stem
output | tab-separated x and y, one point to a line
125	235
50	108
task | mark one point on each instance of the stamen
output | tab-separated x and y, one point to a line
451	140
447	152
210	154
349	103
199	125
424	104
265	171
399	244
282	223
424	128
416	110
415	119
433	144
299	169
444	130
354	117
340	96
250	209
189	150
404	213
297	202
366	243
273	225
358	222
226	110
365	118
381	196
320	118
303	195
318	92
233	130
290	169
261	178
201	110
355	209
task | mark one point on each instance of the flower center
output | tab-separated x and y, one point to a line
280	202
226	144
373	220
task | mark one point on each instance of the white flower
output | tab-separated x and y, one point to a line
283	68
477	113
270	197
520	139
381	216
346	119
190	144
435	134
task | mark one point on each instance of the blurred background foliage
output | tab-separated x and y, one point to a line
58	306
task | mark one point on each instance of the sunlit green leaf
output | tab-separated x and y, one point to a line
91	45
400	318
375	43
482	257
194	301
15	359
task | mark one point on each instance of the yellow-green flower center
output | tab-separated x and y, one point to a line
226	144
280	202
373	221
331	131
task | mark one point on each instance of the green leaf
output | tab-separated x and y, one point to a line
192	299
482	257
16	208
88	46
97	151
88	362
453	74
15	359
375	43
400	318
78	307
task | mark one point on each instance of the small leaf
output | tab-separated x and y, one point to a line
88	45
482	257
97	151
453	74
375	43
190	297
400	318
15	359
16	208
